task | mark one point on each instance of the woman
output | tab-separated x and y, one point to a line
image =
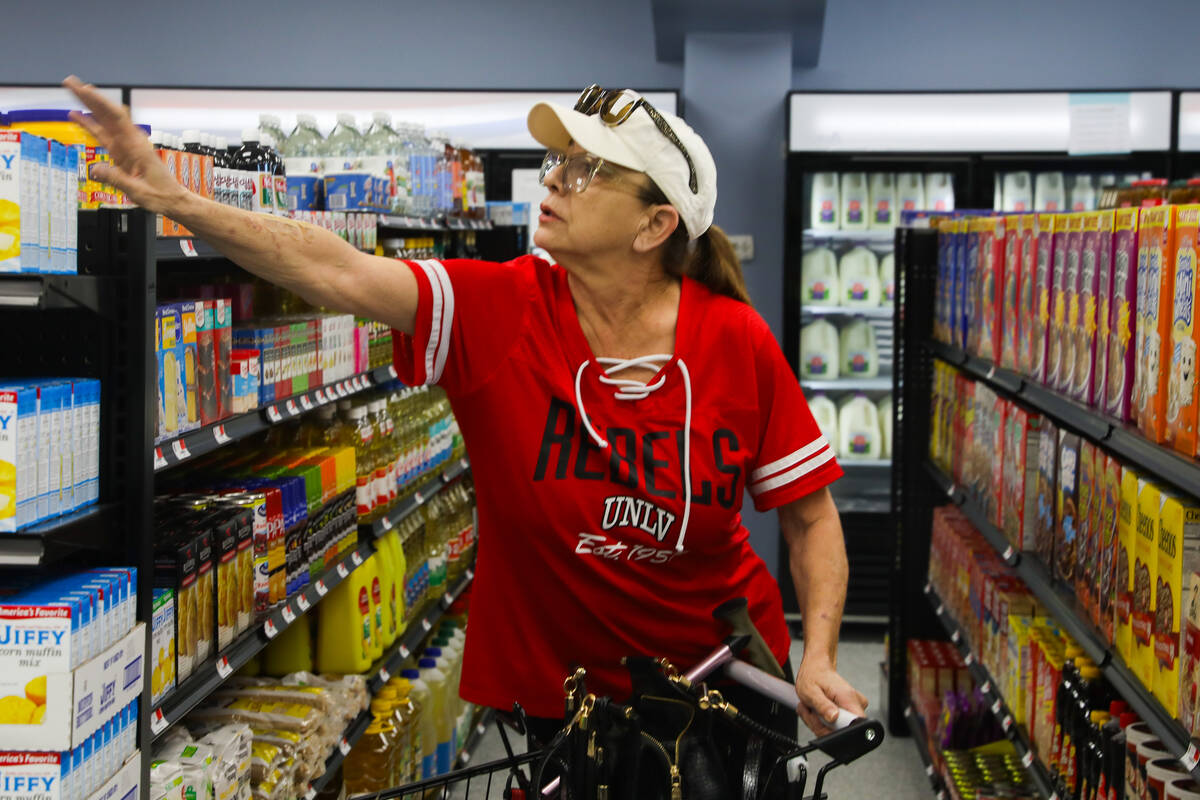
615	406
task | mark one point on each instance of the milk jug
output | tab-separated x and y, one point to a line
860	354
887	278
1018	192
939	191
1048	192
1083	193
859	278
826	204
826	415
910	192
884	407
855	201
819	351
883	200
858	429
819	276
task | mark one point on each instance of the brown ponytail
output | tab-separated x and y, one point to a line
711	261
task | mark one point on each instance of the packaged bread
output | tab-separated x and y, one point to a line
258	713
313	696
264	759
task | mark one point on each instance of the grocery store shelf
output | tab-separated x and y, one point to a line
1061	603
174	248
883	384
205	679
485	718
860	505
1117	438
57	291
407	223
354	731
876	237
1000	710
173	452
49	541
849	464
418	498
916	727
878	312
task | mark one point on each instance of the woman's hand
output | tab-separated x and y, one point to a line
822	692
135	169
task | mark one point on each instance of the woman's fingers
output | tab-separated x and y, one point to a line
88	123
108	113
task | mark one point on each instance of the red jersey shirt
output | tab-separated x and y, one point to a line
587	549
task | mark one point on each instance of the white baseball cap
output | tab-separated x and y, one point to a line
638	144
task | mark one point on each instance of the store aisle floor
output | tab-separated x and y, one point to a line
893	771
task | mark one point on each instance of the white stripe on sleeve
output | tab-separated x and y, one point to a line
810	449
435	325
793	474
443	349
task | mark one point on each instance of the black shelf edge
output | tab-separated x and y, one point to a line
172	452
916	727
190	248
424	492
401	222
1060	602
350	737
58	291
1116	437
207	677
53	539
1000	710
484	719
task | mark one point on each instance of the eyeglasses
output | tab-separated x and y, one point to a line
594	100
579	169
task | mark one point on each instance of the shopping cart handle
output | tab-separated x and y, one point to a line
854	741
778	690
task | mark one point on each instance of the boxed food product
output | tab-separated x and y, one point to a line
1109	545
1145	577
1085	551
190	411
1178	557
20	201
227	584
991	245
1021	477
222	328
162	644
1085	328
1181	378
171	387
1156	246
1026	267
1044	284
206	361
1104	290
1048	451
1074	290
175	568
993	449
1062	296
972	314
1124	315
1131	485
1069	518
18	457
205	579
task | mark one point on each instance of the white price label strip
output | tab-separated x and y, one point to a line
987	688
954	637
311	793
159	460
385	522
270	630
928	588
321	397
305	403
223	668
179	446
1007	723
302	602
470	574
448	599
939	609
384	675
405	652
292	409
996	707
462	462
188	248
991	373
1191	758
970	659
289	616
1008	552
417	496
341	569
221	436
273	414
426	626
322	589
356	558
158	722
1027	759
344	746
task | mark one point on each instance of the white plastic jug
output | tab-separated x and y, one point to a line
819	276
858	273
1083	193
855	201
858	429
939	191
883	201
887	278
819	351
1018	192
1049	193
884	407
860	353
825	202
435	679
910	192
826	415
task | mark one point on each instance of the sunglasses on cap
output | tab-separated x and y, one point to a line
615	106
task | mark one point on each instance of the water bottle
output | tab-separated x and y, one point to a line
435	679
270	125
344	145
303	159
383	147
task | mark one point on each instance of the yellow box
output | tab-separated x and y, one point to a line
1126	536
1145	578
1178	547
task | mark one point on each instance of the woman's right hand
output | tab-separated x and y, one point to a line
135	168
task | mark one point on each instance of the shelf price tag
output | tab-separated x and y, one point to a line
1007	723
341	389
425	625
1053	796
291	408
1191	758
417	496
991	373
320	394
322	589
955	637
344	746
357	558
929	770
188	248
311	793
270	630
158	722
302	602
360	383
448	599
273	414
470	574
987	688
180	448
1008	553
341	569
288	615
386	523
1027	759
405	652
223	668
928	588
392	371
384	675
305	403
996	707
159	461
221	436
970	659
941	607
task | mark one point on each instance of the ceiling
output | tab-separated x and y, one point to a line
675	19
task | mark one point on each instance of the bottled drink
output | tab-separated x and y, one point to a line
344	147
364	462
445	665
312	431
257	165
422	693
278	175
408	711
435	542
435	679
368	767
385	474
383	147
303	158
270	125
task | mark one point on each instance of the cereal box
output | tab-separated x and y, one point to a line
1010	318
162	644
189	418
1181	378
958	283
206	362
1124	316
1145	578
1104	284
1067	537
1044	284
1156	245
1085	328
1110	511
1072	286
1021	477
170	375
1189	693
1062	297
1131	485
1178	556
971	286
223	354
1085	551
1048	447
1026	266
995	452
991	285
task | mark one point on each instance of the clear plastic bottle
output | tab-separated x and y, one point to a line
435	679
383	146
364	462
278	175
421	692
369	766
411	157
344	147
271	125
385	469
445	664
425	181
408	711
436	525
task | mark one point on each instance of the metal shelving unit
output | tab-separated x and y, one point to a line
45	292
84	530
916	727
881	236
879	312
408	223
881	384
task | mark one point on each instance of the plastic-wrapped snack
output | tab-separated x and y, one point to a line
314	696
166	780
293	745
275	786
231	757
264	759
259	714
351	690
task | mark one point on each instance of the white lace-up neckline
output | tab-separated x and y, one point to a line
628	389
